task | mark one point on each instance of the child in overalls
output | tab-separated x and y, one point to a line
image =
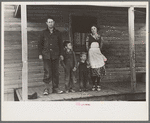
83	66
69	63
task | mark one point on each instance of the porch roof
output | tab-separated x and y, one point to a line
117	5
106	4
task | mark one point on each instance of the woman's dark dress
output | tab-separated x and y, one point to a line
96	71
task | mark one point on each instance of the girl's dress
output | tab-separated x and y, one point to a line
96	58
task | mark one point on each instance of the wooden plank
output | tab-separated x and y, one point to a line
132	47
62	29
5	97
111	88
24	53
40	95
10	97
12	20
10	88
104	27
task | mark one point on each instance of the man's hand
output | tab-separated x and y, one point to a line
61	57
40	57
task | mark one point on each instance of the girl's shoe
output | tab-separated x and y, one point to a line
93	88
98	88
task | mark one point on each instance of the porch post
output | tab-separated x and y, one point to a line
70	29
132	47
24	53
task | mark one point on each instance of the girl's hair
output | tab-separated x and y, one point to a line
66	43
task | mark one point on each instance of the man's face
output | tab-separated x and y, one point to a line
50	23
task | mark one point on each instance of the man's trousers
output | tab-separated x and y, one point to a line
51	72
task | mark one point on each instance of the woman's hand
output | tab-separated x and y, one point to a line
105	59
40	57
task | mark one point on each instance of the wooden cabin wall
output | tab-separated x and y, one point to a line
113	25
113	28
13	51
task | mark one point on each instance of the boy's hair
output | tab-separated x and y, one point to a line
65	43
83	53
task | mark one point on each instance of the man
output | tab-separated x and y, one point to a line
50	50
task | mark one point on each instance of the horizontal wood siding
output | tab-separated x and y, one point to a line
113	28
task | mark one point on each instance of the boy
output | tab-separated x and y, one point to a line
69	64
83	66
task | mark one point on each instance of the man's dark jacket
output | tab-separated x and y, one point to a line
50	44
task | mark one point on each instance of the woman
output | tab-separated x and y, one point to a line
96	58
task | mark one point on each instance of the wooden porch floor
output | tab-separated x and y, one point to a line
110	91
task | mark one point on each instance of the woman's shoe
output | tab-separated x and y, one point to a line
98	88
93	88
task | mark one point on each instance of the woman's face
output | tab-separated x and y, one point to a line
93	29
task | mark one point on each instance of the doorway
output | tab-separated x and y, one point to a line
81	27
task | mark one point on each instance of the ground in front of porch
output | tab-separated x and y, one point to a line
111	91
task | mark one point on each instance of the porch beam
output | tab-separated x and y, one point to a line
132	47
24	53
106	4
70	29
